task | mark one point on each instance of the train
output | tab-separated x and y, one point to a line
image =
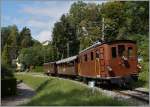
114	62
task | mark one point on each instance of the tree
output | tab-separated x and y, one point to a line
13	36
12	41
5	56
114	15
25	38
138	16
65	37
5	31
36	55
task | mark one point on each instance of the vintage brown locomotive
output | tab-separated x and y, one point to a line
114	62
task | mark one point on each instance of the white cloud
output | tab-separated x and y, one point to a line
96	1
44	35
37	24
42	18
45	11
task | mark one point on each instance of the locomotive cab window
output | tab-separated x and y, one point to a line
91	55
121	50
130	51
113	50
85	57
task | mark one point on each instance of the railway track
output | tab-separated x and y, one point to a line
144	92
136	94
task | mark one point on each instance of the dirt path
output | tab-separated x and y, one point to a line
24	95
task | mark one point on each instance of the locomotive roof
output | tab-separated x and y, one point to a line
92	46
66	59
109	43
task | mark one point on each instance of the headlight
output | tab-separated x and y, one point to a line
109	68
139	66
124	58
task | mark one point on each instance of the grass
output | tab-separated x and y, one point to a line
60	92
33	81
37	69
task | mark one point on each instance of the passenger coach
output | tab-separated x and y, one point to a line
67	67
50	68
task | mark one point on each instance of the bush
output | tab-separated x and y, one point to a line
6	71
144	75
142	44
8	86
8	82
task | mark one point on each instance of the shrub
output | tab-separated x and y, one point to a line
6	71
8	86
8	82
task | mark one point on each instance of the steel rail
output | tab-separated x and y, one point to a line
144	92
133	96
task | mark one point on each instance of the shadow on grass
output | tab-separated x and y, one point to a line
42	85
132	85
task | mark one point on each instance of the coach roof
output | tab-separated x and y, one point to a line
66	60
49	63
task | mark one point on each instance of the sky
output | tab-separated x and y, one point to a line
38	15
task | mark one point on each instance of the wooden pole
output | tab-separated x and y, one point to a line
103	28
68	49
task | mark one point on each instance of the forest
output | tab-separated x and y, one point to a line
78	29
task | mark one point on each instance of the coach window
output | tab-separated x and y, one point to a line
97	54
113	50
91	55
80	59
130	51
71	63
85	57
121	50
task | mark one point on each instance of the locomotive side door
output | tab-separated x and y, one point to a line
114	60
97	63
102	62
